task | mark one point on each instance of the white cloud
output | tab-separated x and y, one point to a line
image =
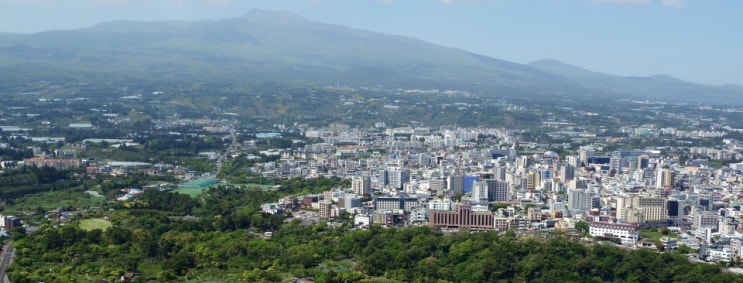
674	3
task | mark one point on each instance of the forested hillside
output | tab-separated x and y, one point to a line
226	244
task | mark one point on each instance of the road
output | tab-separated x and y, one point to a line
7	258
233	147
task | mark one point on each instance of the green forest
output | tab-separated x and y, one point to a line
226	244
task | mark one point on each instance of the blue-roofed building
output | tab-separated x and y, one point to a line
469	181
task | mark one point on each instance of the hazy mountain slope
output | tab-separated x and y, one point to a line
283	47
659	87
267	46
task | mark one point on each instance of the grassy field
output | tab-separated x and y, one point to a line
250	185
54	199
194	192
92	224
654	236
191	192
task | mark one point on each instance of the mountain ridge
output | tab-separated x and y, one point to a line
282	46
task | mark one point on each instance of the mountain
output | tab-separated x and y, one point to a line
283	47
264	45
657	87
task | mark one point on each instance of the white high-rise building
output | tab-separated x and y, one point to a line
579	200
397	177
361	185
480	191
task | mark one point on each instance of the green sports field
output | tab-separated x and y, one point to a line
92	224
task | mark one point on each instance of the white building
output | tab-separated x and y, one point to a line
627	233
480	191
724	254
440	205
362	220
579	200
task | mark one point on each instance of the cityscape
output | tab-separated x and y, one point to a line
274	147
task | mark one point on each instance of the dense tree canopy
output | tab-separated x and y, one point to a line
226	244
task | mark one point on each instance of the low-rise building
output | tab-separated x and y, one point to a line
627	233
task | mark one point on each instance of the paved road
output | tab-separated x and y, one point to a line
233	147
7	258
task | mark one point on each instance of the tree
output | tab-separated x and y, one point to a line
684	249
665	231
659	245
582	227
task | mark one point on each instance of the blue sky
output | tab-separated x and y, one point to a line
696	40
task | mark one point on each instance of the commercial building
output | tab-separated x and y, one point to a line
396	177
634	208
440	204
579	200
326	207
384	203
461	218
480	191
455	184
497	190
361	185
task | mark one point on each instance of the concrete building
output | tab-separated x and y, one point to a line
349	201
497	190
501	223
705	219
634	208
12	222
361	220
469	181
361	185
627	233
621	158
437	185
664	179
533	181
419	215
455	184
325	209
61	164
397	177
461	218
533	214
579	200
499	172
440	205
405	203
480	191
566	173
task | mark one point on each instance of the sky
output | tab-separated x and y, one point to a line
694	40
